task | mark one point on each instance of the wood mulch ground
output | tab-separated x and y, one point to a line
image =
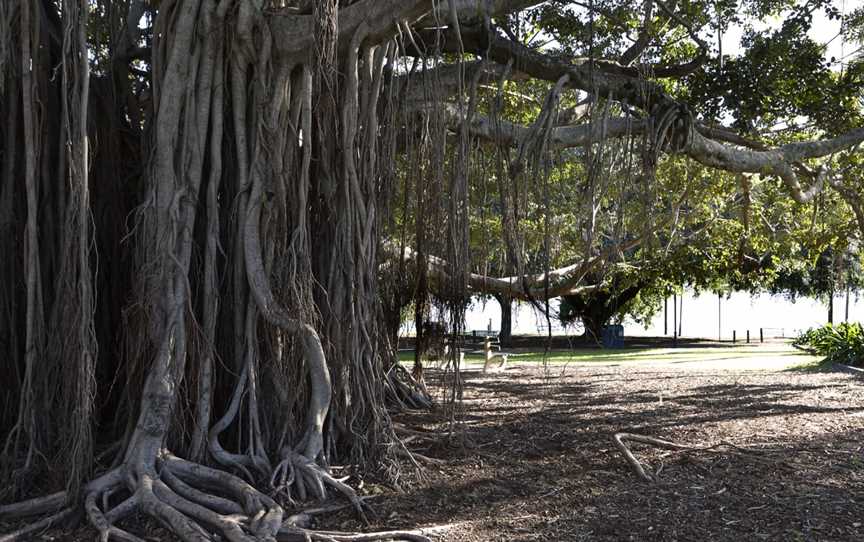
533	458
539	461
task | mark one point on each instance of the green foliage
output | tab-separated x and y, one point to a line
763	89
696	226
842	343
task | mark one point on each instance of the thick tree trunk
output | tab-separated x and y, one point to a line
597	309
594	321
255	298
505	334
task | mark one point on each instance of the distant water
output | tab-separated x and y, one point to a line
740	312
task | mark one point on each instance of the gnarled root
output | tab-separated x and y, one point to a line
299	476
198	504
406	391
24	532
187	497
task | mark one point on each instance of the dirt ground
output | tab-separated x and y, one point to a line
532	456
539	462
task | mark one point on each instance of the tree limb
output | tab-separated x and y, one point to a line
778	161
781	161
562	281
644	38
293	33
475	11
560	137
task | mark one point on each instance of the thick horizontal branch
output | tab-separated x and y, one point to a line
563	281
293	34
606	78
778	161
726	135
447	80
474	11
557	282
507	133
781	161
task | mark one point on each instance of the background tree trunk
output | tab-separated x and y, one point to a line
505	334
597	308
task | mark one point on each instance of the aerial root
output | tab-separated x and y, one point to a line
620	438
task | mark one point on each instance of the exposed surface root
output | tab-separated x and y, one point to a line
25	532
420	458
32	507
402	430
196	502
303	518
298	476
405	390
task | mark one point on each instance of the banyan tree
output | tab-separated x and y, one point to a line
198	257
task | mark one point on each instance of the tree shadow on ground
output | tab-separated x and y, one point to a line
536	459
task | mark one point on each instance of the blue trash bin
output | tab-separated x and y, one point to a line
613	336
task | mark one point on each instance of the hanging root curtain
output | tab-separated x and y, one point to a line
223	189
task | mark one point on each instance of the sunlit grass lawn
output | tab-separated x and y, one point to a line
684	354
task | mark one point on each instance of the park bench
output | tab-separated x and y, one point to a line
483	335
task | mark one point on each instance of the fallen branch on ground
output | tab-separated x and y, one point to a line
619	439
297	534
402	430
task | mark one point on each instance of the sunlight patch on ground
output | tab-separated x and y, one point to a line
744	357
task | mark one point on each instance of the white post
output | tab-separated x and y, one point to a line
719	319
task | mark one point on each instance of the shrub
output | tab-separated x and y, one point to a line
842	343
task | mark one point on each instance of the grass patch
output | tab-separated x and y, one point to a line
634	355
555	356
